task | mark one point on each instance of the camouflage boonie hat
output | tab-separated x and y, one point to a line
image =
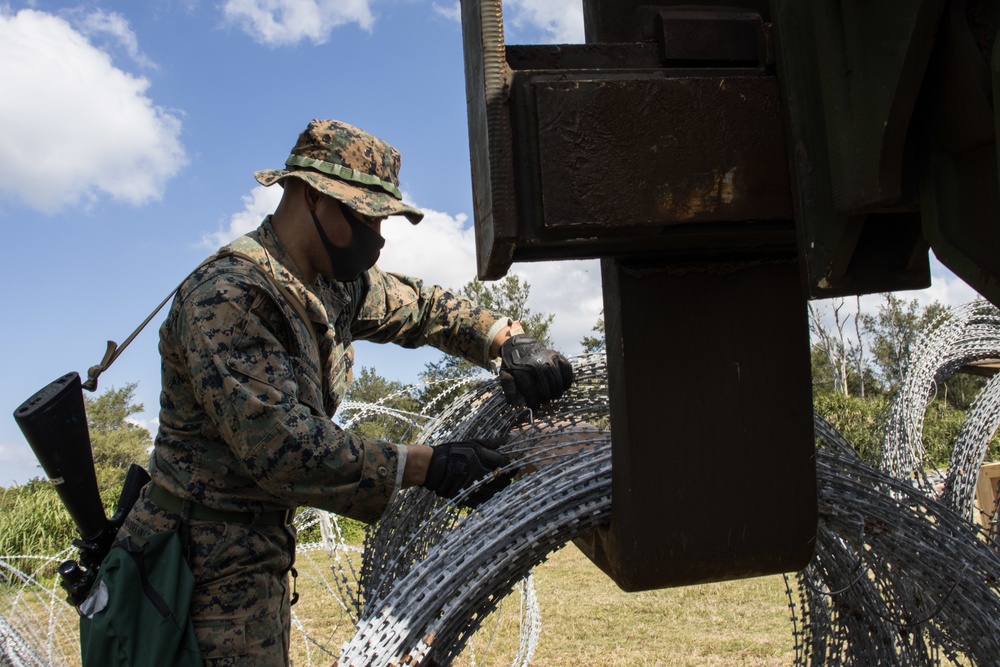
348	164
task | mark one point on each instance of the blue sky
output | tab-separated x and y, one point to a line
130	131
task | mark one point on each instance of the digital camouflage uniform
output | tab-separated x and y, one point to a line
245	422
348	164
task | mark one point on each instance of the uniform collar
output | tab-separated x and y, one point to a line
323	300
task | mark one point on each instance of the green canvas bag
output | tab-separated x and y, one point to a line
139	610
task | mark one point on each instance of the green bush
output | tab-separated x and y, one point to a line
856	418
859	420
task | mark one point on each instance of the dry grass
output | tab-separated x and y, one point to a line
318	612
588	620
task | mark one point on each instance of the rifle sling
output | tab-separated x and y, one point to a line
114	350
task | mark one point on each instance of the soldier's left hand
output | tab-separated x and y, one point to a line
533	372
456	466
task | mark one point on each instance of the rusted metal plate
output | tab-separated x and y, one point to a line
555	135
651	150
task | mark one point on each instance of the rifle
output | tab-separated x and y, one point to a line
54	422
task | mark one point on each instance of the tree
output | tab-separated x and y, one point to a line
858	351
595	343
890	336
830	345
372	389
855	418
508	296
892	332
116	441
838	361
961	390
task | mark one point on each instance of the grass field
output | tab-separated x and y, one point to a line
588	620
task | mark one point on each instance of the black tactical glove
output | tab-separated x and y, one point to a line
529	370
457	465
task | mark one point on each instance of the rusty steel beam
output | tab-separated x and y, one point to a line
713	469
489	135
665	155
696	142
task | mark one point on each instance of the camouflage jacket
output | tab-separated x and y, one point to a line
247	396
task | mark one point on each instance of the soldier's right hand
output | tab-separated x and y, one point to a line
530	371
455	466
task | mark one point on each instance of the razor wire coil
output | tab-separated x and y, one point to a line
904	573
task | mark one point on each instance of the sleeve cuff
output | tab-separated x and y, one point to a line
403	452
381	476
497	327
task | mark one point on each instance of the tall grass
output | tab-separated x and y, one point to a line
33	520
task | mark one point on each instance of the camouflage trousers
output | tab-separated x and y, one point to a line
240	606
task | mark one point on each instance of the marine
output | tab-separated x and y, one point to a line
257	355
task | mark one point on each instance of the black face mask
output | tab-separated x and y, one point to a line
359	255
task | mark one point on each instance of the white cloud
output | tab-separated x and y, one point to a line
441	250
438	250
115	141
946	287
569	289
452	12
256	206
560	20
117	27
287	22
